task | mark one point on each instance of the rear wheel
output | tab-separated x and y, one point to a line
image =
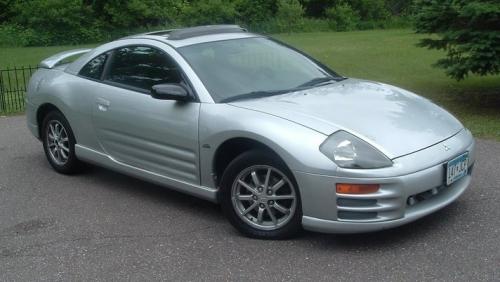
260	196
59	143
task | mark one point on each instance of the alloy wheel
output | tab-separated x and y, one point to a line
264	197
57	142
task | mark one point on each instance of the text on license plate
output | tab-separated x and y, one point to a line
457	168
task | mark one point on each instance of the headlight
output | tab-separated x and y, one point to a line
348	151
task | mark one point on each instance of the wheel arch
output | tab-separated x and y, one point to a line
228	150
42	112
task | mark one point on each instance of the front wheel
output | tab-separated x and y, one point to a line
260	196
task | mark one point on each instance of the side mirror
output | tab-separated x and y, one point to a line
171	91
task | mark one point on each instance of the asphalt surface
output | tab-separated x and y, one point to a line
101	225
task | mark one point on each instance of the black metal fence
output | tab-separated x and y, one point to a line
13	84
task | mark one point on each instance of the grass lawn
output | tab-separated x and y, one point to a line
12	56
384	55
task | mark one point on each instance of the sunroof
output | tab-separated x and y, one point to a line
179	34
161	32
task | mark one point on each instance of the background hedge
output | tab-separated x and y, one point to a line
56	22
467	30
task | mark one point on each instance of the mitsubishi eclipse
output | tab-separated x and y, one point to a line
277	138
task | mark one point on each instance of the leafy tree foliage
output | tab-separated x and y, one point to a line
47	22
367	9
133	13
289	13
342	17
5	11
54	21
253	12
469	32
399	7
371	9
203	12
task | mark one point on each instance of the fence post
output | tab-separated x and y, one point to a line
3	107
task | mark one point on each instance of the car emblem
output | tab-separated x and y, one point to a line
446	148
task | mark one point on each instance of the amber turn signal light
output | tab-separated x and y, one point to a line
345	188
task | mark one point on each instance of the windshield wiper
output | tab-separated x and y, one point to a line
318	81
255	94
260	94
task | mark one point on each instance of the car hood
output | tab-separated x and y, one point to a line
393	120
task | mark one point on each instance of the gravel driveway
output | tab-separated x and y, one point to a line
101	225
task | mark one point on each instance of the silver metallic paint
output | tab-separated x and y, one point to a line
413	174
369	110
145	138
52	61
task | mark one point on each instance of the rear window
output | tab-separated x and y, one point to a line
95	67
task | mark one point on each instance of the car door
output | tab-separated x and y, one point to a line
133	128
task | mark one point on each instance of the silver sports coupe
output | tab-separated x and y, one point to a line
277	138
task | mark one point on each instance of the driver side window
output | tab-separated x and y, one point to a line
142	67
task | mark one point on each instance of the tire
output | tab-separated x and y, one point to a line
59	143
248	202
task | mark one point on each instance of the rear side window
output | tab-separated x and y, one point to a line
142	67
95	67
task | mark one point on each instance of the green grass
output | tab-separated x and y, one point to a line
391	56
388	56
24	56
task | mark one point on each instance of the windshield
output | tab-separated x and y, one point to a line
251	67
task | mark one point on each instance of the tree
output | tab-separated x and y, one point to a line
5	11
256	11
289	14
134	13
55	21
342	17
469	32
398	7
204	12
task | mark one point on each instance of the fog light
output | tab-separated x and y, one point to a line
345	188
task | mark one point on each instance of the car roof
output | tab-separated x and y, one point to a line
195	35
184	37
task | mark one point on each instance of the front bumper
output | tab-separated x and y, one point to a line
401	213
326	211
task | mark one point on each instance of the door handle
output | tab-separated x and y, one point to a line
103	104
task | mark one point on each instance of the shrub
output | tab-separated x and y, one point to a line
14	35
342	17
55	22
204	12
371	10
317	8
134	13
253	12
5	10
289	16
47	22
399	7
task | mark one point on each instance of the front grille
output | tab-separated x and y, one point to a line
382	205
356	202
412	200
352	215
422	196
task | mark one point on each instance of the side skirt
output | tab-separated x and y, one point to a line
100	159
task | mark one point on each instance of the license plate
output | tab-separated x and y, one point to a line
457	168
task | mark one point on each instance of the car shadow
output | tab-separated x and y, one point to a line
389	238
147	191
